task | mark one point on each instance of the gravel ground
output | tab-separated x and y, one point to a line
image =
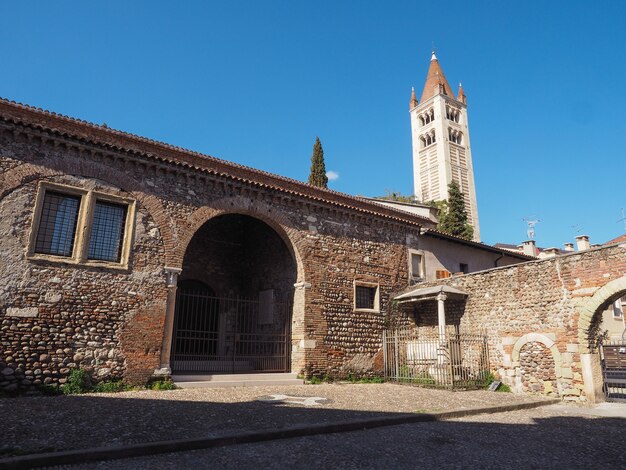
45	424
556	436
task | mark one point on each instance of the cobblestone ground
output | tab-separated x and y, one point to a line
48	424
551	437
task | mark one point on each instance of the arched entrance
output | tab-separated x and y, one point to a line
603	348
234	299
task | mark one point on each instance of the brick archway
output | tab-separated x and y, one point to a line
536	338
243	206
592	306
283	227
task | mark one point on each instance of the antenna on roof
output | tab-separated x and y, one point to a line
623	219
577	227
530	223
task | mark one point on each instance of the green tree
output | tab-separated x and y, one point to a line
452	215
398	197
318	177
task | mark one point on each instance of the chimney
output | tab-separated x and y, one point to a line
529	248
582	242
569	247
551	252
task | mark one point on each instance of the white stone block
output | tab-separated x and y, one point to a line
307	343
26	312
572	348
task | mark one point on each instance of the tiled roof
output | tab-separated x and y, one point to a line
123	141
496	249
620	239
435	77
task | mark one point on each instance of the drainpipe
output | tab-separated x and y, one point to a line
495	263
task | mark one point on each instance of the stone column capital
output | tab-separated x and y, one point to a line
171	275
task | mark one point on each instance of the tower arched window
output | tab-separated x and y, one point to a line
434	137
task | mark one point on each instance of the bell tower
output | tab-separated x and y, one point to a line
441	144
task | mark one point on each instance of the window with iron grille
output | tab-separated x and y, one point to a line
107	231
365	297
80	226
57	224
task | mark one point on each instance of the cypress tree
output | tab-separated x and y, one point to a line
453	219
318	177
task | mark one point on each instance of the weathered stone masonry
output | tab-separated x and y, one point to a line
540	318
116	321
55	316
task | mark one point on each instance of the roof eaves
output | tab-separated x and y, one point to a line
198	161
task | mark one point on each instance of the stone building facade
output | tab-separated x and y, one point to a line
98	228
542	318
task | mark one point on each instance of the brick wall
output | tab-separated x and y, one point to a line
535	309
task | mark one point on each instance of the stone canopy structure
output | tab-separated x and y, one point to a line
130	257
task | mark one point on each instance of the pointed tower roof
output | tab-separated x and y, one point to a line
413	102
435	81
461	95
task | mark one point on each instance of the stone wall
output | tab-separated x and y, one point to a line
540	317
56	317
116	322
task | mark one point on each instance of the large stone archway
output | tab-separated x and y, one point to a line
241	252
588	312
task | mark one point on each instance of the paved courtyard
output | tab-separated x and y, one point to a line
557	436
52	424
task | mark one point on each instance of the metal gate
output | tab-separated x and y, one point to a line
230	335
613	360
450	360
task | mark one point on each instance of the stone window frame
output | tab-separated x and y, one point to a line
375	285
412	252
88	200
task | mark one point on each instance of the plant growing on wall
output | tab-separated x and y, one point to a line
318	177
453	216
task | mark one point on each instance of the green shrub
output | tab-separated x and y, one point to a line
111	387
364	380
77	382
504	388
162	385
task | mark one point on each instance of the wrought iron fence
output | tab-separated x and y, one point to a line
451	360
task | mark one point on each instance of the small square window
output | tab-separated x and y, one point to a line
107	232
464	268
366	296
57	224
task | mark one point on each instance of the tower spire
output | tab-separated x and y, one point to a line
436	82
461	95
413	102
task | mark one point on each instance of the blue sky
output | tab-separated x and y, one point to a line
255	82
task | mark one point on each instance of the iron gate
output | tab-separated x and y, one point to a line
453	360
230	335
613	360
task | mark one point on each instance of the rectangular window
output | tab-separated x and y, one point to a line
416	265
80	226
464	268
57	224
107	232
366	297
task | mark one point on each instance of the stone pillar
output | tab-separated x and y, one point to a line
300	344
171	278
441	317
